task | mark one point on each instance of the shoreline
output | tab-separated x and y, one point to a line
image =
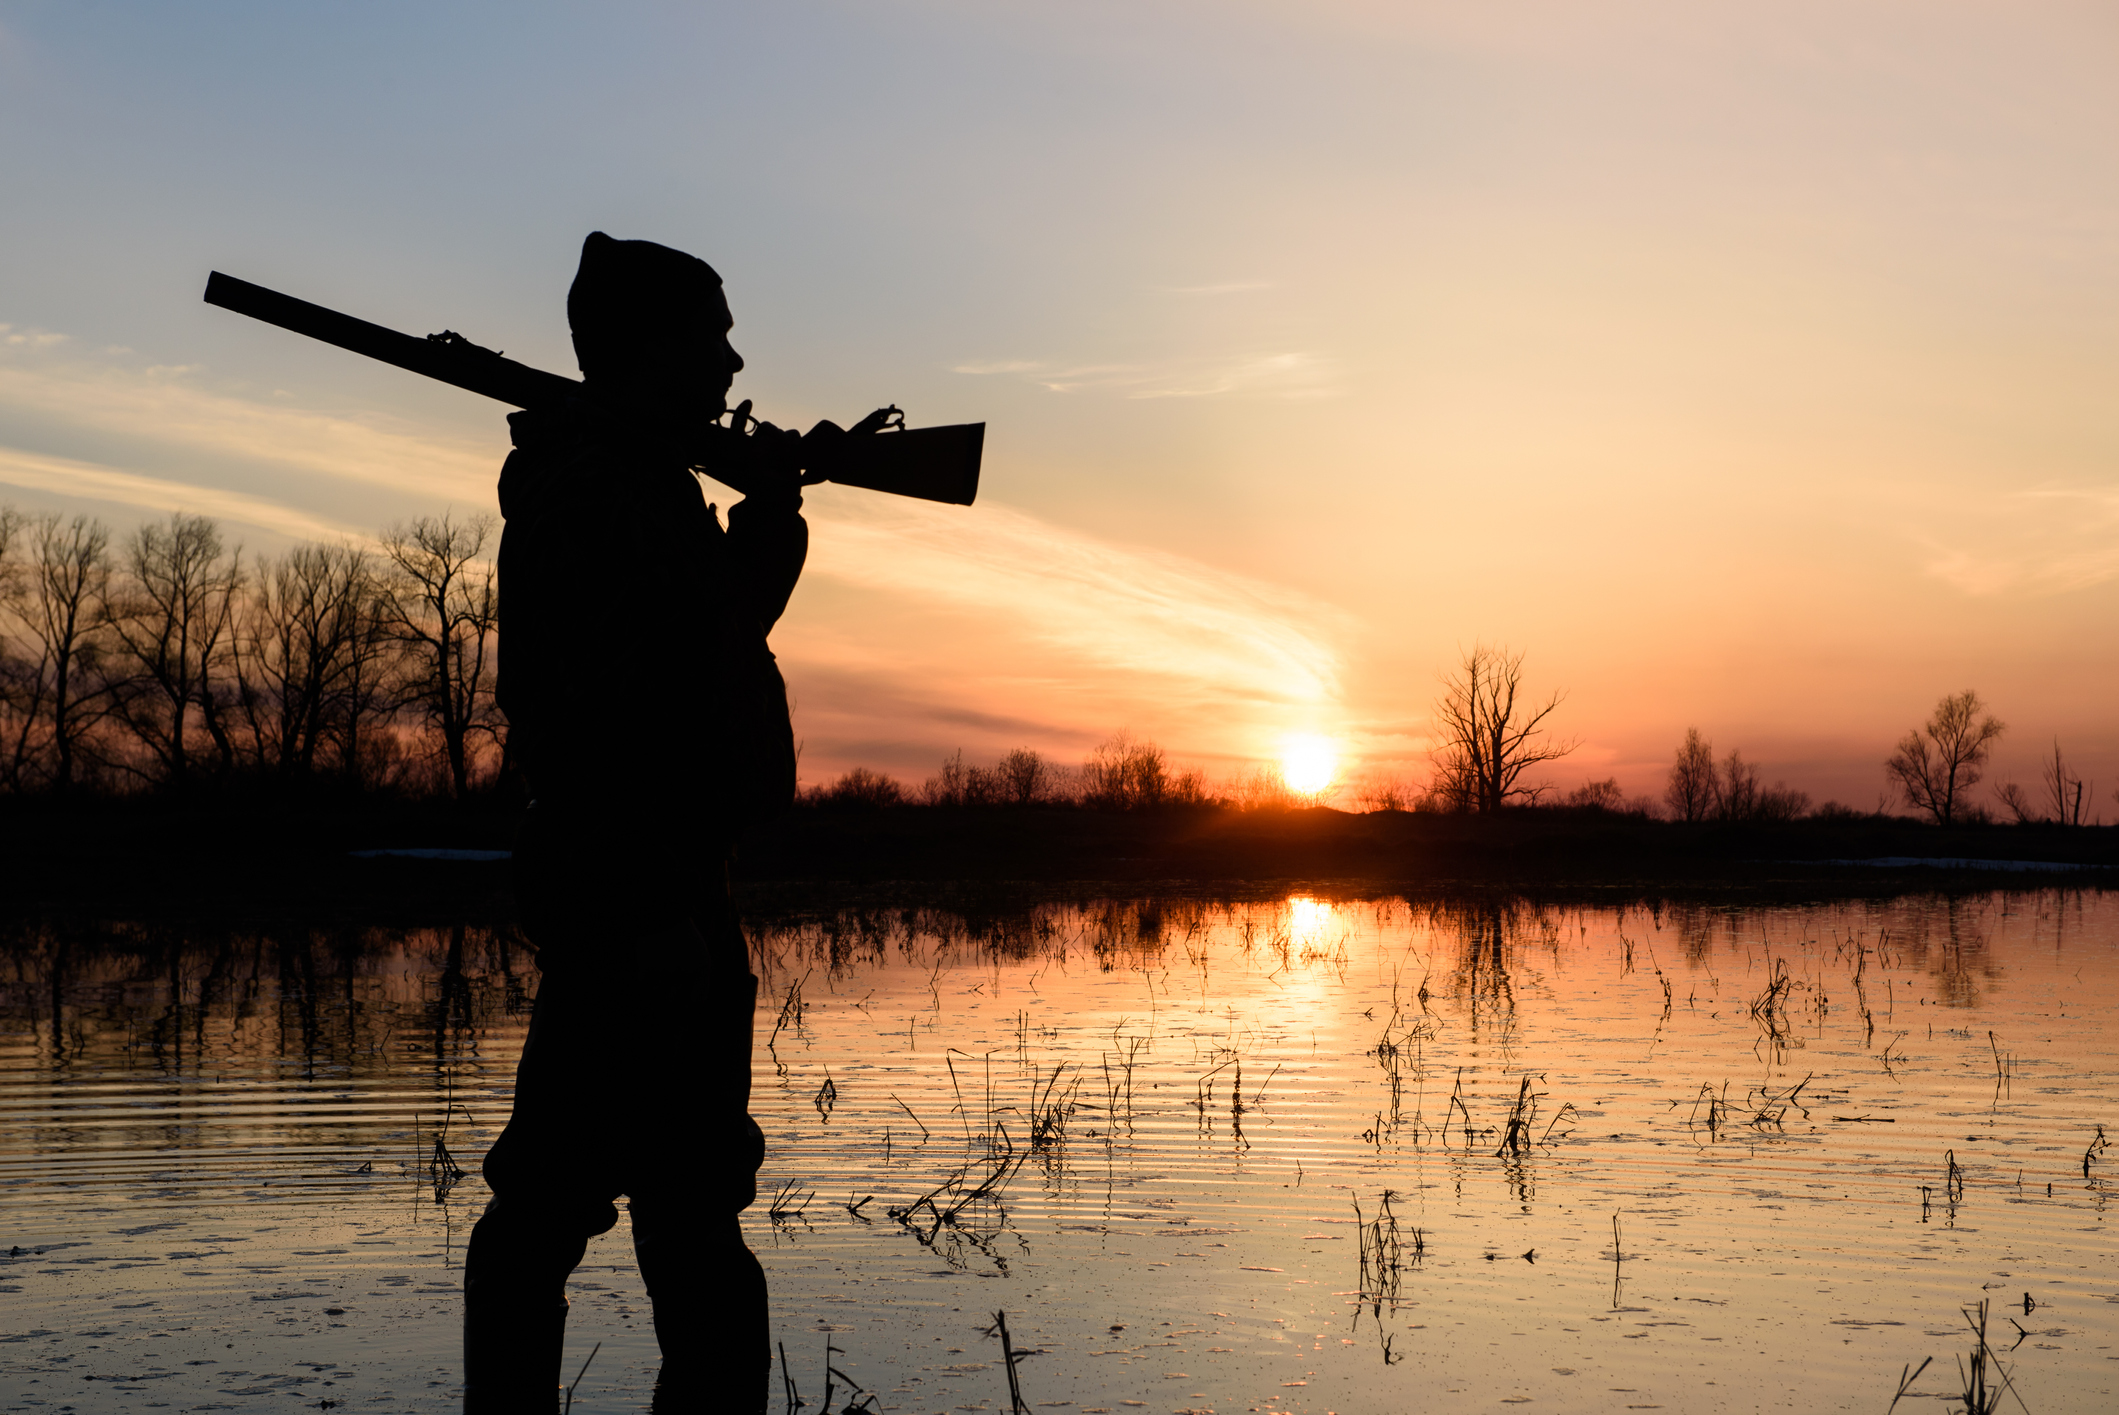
239	861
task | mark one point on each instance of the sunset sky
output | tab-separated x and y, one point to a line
1750	367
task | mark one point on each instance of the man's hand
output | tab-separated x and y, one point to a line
823	440
774	463
778	461
815	449
890	417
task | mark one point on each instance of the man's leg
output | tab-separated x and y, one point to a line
687	1196
710	1308
515	1304
551	1194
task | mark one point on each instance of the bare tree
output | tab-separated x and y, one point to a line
1936	765
1736	792
18	694
171	622
1486	737
368	743
2019	803
309	642
61	697
1692	787
442	608
2065	790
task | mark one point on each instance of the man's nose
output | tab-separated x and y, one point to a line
735	360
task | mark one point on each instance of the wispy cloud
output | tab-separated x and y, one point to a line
2047	540
86	480
924	629
1095	604
19	338
169	405
1283	375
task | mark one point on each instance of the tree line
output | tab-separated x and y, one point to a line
1123	773
1933	768
168	659
1489	732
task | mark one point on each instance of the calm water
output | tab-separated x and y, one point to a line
1304	1156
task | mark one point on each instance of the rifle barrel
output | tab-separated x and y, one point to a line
463	365
930	463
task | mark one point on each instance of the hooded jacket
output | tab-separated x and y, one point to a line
635	674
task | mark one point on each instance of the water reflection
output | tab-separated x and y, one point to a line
1337	1119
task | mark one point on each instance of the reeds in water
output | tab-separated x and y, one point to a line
1984	1378
1385	1252
1011	1358
1051	1107
1515	1136
859	1401
789	1204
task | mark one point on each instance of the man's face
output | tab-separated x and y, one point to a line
690	376
715	362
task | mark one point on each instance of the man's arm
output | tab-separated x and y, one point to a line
768	542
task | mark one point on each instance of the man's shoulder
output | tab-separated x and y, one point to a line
594	476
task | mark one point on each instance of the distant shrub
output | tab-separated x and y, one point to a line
1602	795
1022	778
1698	791
947	786
1123	774
1607	798
1781	802
1437	800
1384	791
860	789
1260	789
1025	778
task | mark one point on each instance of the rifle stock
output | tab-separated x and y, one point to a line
930	463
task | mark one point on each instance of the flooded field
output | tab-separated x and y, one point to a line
1305	1156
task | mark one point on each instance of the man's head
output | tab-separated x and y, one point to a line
652	324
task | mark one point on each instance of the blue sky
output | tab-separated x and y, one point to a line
1748	367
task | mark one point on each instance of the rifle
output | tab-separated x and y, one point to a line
931	463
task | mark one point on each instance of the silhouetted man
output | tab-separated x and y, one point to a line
646	712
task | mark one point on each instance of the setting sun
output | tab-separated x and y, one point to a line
1309	763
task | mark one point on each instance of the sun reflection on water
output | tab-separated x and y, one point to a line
1311	922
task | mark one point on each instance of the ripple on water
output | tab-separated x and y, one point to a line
1253	1156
